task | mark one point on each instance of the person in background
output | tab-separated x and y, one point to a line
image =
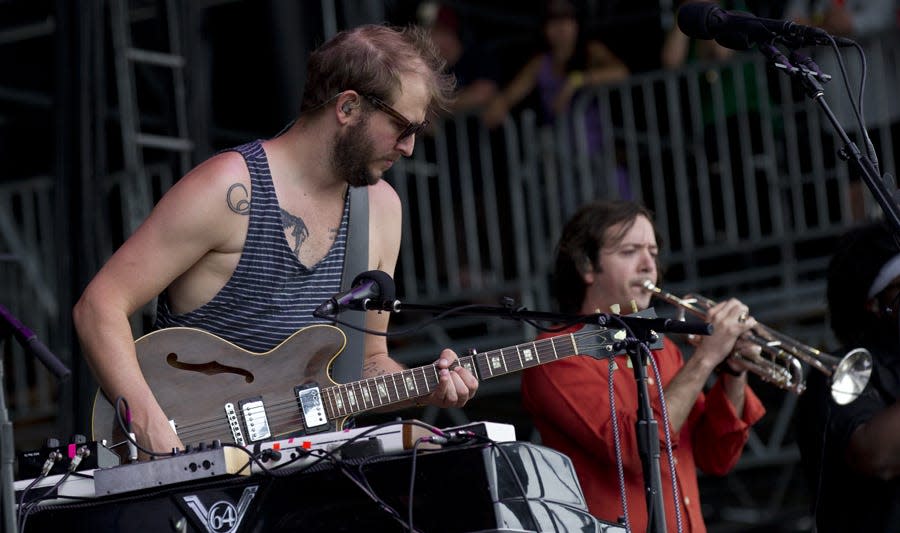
606	252
851	453
569	64
473	65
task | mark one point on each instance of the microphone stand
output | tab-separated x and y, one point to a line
809	79
11	327
644	326
642	320
647	430
7	454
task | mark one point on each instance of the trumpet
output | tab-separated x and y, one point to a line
779	361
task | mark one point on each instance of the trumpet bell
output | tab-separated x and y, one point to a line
851	376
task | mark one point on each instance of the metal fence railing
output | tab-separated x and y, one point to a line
737	165
28	281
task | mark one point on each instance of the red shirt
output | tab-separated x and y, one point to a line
569	402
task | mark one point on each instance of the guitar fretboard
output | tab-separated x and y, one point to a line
371	393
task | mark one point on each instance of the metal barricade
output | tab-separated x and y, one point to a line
28	281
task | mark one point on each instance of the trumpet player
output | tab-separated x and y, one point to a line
606	252
851	453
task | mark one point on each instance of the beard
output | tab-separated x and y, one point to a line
352	154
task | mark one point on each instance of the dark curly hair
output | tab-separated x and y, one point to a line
582	239
858	257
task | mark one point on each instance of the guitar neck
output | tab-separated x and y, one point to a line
353	398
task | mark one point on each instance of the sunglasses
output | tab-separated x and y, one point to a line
408	128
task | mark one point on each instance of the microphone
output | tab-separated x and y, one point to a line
740	31
667	325
32	345
374	286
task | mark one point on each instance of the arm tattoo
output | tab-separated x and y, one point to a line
370	368
298	229
238	199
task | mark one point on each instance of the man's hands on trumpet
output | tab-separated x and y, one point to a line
731	322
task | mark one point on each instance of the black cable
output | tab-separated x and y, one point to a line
34	504
251	457
332	455
372	429
870	148
856	106
499	447
25	493
554	329
125	426
82	452
407	331
51	460
614	420
630	338
256	457
367	490
319	457
363	481
412	482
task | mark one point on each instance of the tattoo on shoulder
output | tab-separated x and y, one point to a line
238	199
298	230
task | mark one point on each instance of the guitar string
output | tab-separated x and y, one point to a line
546	353
277	413
283	412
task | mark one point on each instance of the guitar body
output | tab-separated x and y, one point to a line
194	374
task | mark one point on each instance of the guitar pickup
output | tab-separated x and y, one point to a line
253	411
314	416
237	434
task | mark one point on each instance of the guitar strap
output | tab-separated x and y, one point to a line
348	366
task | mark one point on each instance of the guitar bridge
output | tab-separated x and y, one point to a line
253	411
314	416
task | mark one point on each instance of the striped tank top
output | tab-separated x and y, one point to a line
270	294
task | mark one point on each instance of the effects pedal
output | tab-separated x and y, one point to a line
31	462
203	463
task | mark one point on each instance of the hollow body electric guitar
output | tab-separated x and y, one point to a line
212	389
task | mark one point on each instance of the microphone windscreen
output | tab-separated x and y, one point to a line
694	19
384	281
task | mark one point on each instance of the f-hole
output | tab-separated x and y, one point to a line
209	369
